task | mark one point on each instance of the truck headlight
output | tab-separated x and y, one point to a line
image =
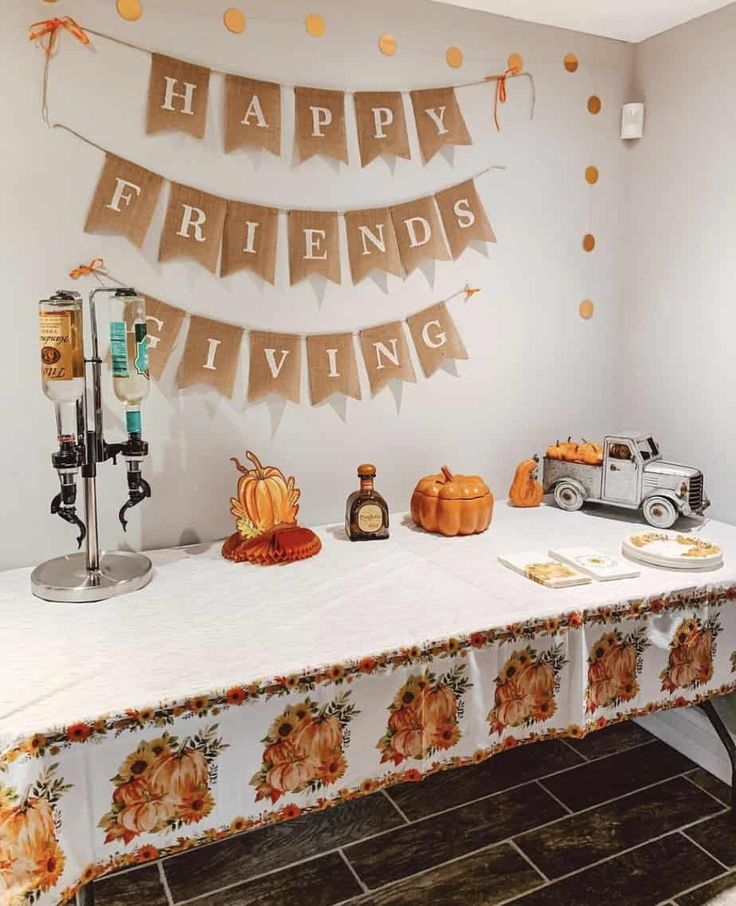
683	489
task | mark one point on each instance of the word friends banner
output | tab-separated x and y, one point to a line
227	236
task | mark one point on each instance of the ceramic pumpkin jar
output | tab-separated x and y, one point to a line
452	504
525	489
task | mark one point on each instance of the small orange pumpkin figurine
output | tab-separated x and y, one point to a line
452	504
525	489
569	450
590	453
555	450
266	498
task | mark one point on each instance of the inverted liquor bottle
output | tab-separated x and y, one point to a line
62	359
366	512
129	350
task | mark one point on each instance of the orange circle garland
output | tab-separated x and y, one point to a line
315	25
591	175
588	242
454	57
234	20
594	104
130	10
387	45
515	63
571	62
586	309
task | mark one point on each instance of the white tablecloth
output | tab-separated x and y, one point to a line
223	696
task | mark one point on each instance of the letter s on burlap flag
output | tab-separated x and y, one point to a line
463	217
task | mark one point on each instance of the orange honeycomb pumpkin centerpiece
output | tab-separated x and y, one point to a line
452	504
266	498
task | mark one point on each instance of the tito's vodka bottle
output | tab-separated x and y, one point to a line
366	512
62	359
129	350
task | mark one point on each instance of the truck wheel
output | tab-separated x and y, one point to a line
567	496
660	512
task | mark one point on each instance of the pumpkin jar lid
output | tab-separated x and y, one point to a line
453	487
366	470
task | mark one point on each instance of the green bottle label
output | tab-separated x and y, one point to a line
118	349
133	421
141	348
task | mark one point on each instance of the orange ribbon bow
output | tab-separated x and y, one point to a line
500	94
47	30
470	291
96	265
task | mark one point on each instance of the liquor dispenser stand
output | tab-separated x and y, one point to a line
91	575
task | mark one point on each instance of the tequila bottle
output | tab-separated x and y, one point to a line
62	359
129	351
366	512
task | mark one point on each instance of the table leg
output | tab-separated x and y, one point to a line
724	735
86	895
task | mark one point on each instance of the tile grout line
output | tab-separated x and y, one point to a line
165	884
700	847
526	858
353	872
708	792
396	806
700	884
567	808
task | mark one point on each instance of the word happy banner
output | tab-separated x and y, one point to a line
235	236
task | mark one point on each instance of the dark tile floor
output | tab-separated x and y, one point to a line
616	818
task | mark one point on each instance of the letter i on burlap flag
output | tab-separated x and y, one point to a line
333	367
210	355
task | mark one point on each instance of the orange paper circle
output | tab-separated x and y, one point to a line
586	309
130	10
591	175
387	45
515	62
571	62
315	25
454	57
588	242
234	20
594	104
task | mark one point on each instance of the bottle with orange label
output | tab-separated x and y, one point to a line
366	512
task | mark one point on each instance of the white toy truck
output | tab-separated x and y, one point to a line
633	475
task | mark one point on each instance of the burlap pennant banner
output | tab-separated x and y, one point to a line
381	125
314	245
124	200
333	367
320	123
249	240
252	114
418	233
439	120
372	243
275	366
435	337
210	355
177	96
463	217
193	226
164	322
386	355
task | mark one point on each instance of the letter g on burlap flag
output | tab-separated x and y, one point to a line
435	337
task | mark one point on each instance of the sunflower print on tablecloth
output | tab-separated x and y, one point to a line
424	716
526	687
614	664
163	785
31	860
692	649
305	748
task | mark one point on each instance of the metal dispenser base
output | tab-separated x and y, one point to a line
67	579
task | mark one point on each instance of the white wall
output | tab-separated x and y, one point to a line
676	365
536	370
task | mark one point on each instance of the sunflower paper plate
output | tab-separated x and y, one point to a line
673	550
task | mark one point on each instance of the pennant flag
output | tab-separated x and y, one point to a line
372	243
418	233
386	355
463	217
193	226
249	240
333	367
275	366
252	114
314	245
320	123
435	337
164	322
381	125
439	120
124	200
177	96
210	355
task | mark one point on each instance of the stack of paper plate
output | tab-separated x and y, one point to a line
672	550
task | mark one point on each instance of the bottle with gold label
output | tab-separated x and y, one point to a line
62	359
366	512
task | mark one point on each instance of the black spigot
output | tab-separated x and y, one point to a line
138	488
67	461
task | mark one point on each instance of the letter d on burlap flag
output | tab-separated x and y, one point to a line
435	337
210	355
386	355
275	365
